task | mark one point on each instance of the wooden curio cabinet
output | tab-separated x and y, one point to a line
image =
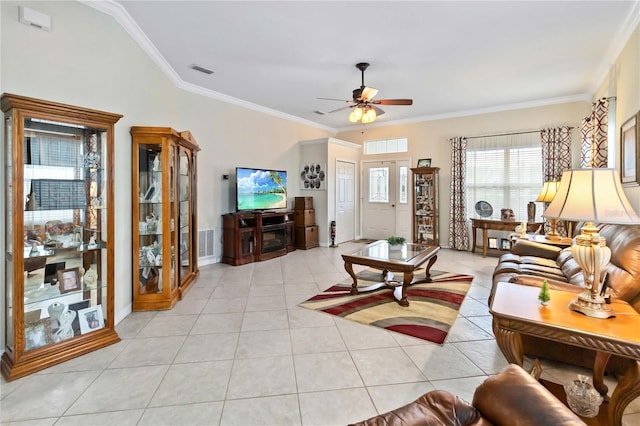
164	204
59	233
425	205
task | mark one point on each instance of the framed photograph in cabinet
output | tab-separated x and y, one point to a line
69	280
492	243
629	151
90	319
37	334
77	307
424	162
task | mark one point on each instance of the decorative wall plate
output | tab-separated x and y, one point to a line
484	209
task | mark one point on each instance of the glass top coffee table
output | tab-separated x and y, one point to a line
378	255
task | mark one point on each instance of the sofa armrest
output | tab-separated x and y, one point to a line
514	398
531	248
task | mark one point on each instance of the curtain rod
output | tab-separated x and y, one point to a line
507	134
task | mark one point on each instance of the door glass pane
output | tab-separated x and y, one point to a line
379	185
403	176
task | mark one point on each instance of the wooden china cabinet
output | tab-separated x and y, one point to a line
59	233
425	205
165	261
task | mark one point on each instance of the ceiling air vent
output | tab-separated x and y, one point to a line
201	69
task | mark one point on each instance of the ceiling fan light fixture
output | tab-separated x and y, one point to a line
355	115
369	116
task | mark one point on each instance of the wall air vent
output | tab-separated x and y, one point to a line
201	69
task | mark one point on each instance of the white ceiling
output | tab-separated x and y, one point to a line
452	57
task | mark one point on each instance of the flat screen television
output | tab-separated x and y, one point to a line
260	189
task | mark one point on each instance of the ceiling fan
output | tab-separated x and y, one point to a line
363	105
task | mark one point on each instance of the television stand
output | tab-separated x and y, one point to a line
256	236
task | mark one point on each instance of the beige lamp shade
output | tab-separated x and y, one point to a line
591	195
548	191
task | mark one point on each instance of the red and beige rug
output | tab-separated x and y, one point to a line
432	311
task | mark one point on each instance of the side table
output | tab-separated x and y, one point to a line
516	310
496	225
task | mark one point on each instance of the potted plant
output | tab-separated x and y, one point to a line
396	243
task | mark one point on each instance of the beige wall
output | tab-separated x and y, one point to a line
430	139
623	82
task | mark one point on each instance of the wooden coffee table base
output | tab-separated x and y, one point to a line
399	288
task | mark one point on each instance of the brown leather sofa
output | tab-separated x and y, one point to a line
529	263
510	398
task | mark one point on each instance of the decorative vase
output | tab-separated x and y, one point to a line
55	310
531	211
395	247
544	303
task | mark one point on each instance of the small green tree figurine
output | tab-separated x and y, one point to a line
544	295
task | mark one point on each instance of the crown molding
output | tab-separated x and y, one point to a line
119	13
583	97
619	41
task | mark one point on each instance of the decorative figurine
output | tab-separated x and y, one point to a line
333	234
544	295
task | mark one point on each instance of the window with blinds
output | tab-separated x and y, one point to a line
506	172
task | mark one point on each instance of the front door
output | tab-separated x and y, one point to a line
345	201
379	200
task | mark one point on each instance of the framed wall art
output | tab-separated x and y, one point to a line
313	176
629	151
424	162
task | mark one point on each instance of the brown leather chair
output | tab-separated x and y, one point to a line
510	398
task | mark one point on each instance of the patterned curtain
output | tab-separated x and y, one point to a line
556	152
594	129
556	158
458	229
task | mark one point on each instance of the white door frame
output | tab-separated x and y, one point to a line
361	198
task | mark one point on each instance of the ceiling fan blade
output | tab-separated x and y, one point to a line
334	99
378	111
341	108
393	102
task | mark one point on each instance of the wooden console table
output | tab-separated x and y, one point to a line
516	311
496	225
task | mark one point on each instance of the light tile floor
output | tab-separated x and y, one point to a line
239	351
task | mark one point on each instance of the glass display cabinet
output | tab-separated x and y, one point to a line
165	259
425	205
59	233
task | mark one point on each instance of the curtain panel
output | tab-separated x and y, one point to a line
556	157
458	229
594	151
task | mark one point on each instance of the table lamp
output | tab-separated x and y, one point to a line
546	195
591	195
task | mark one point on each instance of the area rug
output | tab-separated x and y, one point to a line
433	307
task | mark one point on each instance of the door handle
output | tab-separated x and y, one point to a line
393	205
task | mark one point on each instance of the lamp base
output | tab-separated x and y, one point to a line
592	306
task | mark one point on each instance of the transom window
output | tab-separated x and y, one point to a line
385	146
